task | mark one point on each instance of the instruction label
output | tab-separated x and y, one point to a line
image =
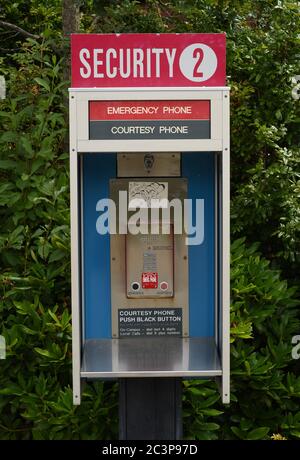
141	322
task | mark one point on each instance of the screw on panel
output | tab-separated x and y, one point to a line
113	258
184	257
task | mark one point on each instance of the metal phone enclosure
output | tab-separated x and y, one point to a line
149	270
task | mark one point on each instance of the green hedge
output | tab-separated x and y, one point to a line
35	378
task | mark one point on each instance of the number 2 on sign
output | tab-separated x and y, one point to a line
199	55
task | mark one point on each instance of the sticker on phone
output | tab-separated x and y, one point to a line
149	280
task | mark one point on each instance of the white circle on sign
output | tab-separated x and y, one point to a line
198	62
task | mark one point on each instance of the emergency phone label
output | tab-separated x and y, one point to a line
150	322
117	120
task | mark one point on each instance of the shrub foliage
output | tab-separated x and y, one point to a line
35	379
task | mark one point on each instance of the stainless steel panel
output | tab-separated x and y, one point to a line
177	188
150	256
151	357
148	164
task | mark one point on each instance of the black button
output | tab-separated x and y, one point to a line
135	286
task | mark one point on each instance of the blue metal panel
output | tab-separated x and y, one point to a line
97	170
199	170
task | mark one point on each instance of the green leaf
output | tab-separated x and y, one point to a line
9	136
42	352
237	432
209	426
258	433
7	164
42	82
26	144
211	412
56	255
11	390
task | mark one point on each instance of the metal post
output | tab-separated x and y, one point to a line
150	409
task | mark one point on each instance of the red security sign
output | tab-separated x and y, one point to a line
141	60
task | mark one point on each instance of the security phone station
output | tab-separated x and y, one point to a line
149	173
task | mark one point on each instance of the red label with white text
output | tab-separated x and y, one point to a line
148	60
149	280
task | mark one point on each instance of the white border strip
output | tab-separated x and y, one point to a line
225	256
75	278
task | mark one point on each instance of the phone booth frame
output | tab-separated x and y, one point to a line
218	144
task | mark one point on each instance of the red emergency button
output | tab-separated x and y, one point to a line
149	280
164	285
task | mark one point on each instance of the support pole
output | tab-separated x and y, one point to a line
150	409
